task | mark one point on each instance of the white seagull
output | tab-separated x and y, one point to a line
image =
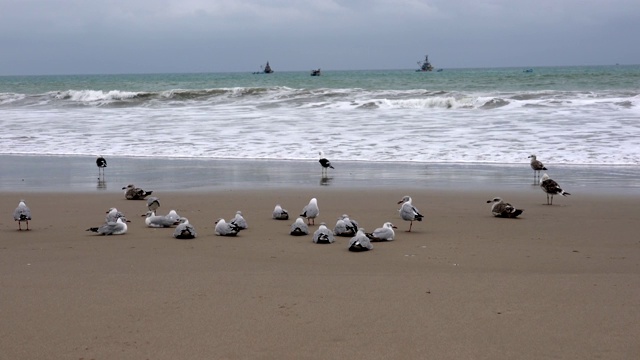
113	214
153	203
360	242
239	221
384	233
158	221
502	209
551	188
226	229
408	212
323	235
184	230
299	228
345	226
118	227
21	214
311	211
279	213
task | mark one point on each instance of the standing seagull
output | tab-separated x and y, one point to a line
408	212
311	211
537	166
503	209
324	162
101	162
551	188
22	213
131	192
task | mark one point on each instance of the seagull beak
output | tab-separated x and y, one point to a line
488	201
400	202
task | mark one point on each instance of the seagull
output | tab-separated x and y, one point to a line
113	214
239	221
551	188
184	230
299	228
226	229
324	162
384	233
158	221
279	213
503	209
173	216
22	213
408	212
311	211
118	227
101	162
323	235
360	242
345	226
131	192
537	166
153	203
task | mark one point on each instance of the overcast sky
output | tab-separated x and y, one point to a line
157	36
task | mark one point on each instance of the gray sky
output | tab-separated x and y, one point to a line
144	36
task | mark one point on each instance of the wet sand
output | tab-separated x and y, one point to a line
559	282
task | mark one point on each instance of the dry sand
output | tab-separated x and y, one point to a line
561	282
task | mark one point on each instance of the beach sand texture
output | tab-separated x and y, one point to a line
560	282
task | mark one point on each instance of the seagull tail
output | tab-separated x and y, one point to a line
564	193
94	229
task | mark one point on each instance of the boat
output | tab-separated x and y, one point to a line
528	70
315	72
425	65
264	69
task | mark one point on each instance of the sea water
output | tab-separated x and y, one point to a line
565	115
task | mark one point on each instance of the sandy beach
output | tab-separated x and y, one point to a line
560	282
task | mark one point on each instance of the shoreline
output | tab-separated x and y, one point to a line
32	173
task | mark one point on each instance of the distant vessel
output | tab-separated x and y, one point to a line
528	70
425	65
315	72
265	70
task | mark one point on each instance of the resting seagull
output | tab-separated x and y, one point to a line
113	214
384	233
323	235
408	212
184	230
360	242
503	209
131	192
22	213
158	221
324	162
311	211
299	228
153	203
239	221
226	229
101	163
345	226
537	166
279	213
551	188
118	227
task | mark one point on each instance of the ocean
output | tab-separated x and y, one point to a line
581	115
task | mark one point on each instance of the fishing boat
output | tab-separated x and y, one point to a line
315	72
425	65
264	69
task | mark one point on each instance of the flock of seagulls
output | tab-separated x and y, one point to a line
116	222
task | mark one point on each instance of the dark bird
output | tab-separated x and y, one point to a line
503	209
324	162
408	212
551	188
131	192
101	162
21	214
537	166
